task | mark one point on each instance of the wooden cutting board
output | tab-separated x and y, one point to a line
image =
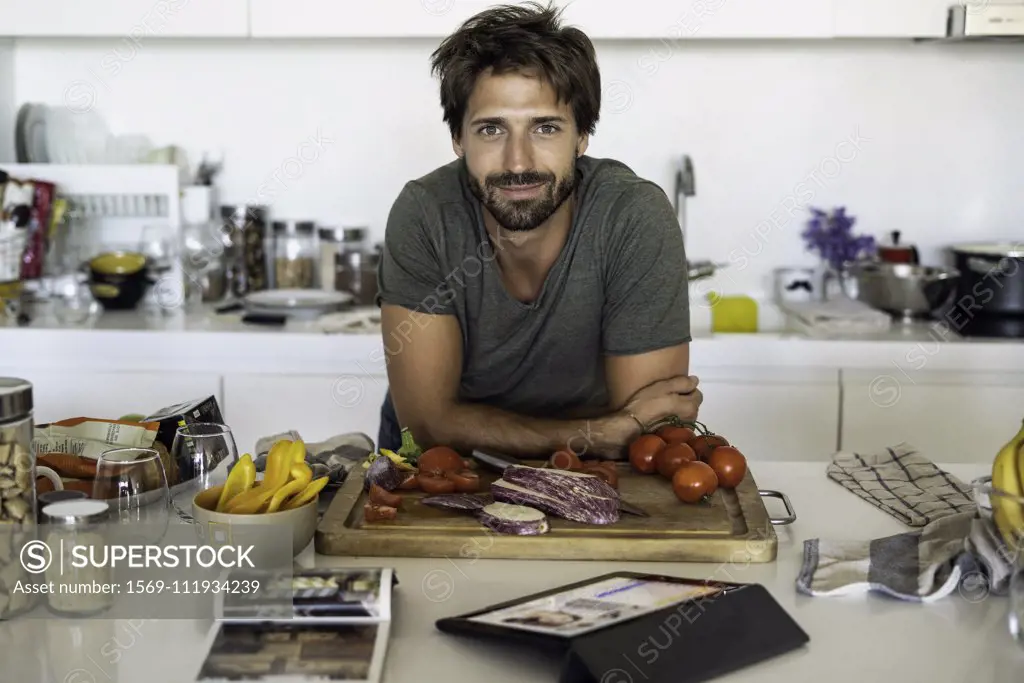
733	526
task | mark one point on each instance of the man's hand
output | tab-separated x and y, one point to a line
675	396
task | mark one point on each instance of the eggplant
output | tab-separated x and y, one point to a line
558	483
462	502
518	520
574	505
384	473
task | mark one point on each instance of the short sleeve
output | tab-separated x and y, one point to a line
411	271
647	304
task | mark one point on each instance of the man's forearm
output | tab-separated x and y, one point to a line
467	426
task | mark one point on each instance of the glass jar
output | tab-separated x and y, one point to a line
248	225
295	255
330	247
79	588
18	494
357	267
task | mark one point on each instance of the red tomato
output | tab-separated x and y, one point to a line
438	460
672	434
703	445
642	452
671	457
694	481
729	465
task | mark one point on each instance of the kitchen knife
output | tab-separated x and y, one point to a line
498	463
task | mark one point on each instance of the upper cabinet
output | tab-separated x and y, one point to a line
376	19
662	20
128	19
894	18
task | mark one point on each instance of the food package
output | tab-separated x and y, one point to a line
170	418
88	437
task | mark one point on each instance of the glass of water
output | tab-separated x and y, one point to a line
1007	514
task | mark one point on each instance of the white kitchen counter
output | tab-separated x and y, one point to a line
962	638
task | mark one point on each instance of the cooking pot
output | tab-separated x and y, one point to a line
904	290
119	279
992	278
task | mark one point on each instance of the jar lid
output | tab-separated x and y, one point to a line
355	234
15	398
294	227
243	213
331	234
76	511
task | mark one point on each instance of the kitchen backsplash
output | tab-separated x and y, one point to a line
919	137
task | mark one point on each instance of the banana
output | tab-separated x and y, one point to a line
1007	472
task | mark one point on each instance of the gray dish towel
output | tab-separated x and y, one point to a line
954	547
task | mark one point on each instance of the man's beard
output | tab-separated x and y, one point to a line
521	215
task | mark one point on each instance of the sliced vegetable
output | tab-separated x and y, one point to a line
379	513
301	476
409	450
382	497
574	505
307	494
432	483
240	480
519	520
385	474
457	501
206	499
565	460
465	481
557	482
410	483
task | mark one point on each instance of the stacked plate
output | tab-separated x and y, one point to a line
306	304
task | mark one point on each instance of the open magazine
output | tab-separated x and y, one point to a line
327	624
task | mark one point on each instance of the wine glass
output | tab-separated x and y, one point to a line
205	452
133	482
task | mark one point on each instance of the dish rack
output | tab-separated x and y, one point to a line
115	204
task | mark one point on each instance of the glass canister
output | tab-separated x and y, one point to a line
295	255
249	227
357	267
330	247
77	524
17	495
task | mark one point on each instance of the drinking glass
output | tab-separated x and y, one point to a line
204	451
1003	508
134	483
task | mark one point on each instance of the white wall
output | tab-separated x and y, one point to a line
940	129
8	107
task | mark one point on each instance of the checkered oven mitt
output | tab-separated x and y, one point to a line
953	548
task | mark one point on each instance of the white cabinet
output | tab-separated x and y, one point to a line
125	19
109	395
380	19
948	416
600	19
893	18
777	413
316	406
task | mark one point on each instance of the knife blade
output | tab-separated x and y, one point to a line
499	463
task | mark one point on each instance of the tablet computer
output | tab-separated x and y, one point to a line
553	619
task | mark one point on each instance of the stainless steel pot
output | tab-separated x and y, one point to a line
993	278
904	290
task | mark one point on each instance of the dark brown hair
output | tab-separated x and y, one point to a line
519	37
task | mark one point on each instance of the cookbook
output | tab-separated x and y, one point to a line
329	624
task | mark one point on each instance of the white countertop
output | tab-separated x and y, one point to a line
131	341
854	639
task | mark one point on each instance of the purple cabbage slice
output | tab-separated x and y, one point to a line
572	505
384	473
463	502
558	483
518	520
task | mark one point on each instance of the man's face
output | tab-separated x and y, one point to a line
520	146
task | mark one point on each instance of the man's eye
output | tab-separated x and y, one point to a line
489	130
548	129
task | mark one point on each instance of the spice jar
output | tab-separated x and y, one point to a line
330	247
78	588
17	494
248	225
295	255
357	267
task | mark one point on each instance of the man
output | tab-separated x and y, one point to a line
532	298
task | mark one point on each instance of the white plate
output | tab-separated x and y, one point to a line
297	299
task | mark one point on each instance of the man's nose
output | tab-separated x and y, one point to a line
518	153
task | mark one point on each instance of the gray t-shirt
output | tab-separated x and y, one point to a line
619	286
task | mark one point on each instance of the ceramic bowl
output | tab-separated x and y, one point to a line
217	528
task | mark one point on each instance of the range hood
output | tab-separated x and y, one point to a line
986	20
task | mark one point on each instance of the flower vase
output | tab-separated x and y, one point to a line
833	282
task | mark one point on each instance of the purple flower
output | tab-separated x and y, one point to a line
831	236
